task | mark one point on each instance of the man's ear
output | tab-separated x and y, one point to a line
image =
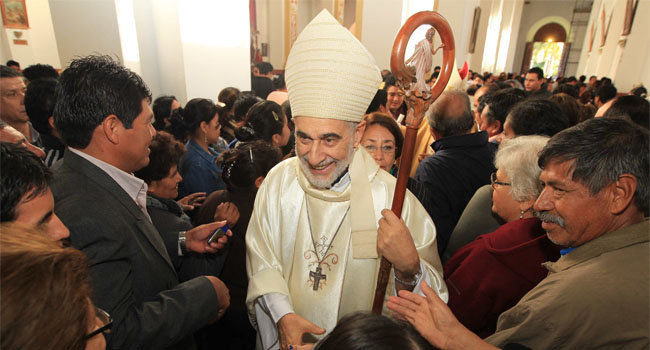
111	127
50	122
358	132
258	181
622	193
493	128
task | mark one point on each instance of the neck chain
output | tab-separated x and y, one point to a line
317	275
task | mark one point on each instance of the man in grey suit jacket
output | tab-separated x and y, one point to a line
102	113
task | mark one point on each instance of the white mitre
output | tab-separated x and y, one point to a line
455	81
329	73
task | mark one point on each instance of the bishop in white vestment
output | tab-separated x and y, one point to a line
320	222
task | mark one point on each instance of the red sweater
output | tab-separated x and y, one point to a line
491	274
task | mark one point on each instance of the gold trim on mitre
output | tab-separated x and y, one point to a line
329	73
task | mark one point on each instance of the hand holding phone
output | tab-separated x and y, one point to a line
218	233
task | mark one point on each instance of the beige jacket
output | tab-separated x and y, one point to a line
595	297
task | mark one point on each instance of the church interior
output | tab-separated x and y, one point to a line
196	48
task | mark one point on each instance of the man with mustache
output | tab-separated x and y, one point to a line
594	203
321	219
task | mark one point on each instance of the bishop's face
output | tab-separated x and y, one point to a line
325	148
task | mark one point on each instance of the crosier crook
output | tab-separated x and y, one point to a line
417	106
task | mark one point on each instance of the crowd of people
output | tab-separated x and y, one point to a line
259	219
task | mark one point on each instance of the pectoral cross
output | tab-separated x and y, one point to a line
317	276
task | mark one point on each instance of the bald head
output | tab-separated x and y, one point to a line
451	114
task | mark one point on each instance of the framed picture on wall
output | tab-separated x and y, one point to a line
14	14
474	35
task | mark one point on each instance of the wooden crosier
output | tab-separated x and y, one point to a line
417	107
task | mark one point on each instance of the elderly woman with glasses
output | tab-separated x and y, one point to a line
383	139
491	274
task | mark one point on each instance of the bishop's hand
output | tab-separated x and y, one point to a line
291	328
394	242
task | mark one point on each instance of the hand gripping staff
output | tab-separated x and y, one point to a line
417	104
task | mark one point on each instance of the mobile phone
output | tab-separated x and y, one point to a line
220	232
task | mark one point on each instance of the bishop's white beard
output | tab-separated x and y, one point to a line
339	169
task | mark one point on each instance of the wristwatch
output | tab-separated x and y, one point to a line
412	283
182	242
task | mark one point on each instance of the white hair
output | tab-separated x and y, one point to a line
518	158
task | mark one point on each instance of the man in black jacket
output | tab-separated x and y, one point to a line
462	162
103	115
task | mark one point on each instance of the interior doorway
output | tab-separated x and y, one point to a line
548	50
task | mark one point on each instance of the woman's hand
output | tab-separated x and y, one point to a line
192	201
227	211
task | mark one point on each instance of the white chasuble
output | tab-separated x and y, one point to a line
285	245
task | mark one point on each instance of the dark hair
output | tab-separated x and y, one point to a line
640	91
537	117
243	103
582	78
586	97
380	99
606	92
389	81
569	106
45	292
262	121
286	109
24	177
634	107
472	89
40	98
538	71
264	67
587	111
6	72
162	110
228	96
291	145
602	149
501	102
490	89
363	331
37	71
91	89
388	122
240	171
13	63
451	114
186	121
567	89
165	153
